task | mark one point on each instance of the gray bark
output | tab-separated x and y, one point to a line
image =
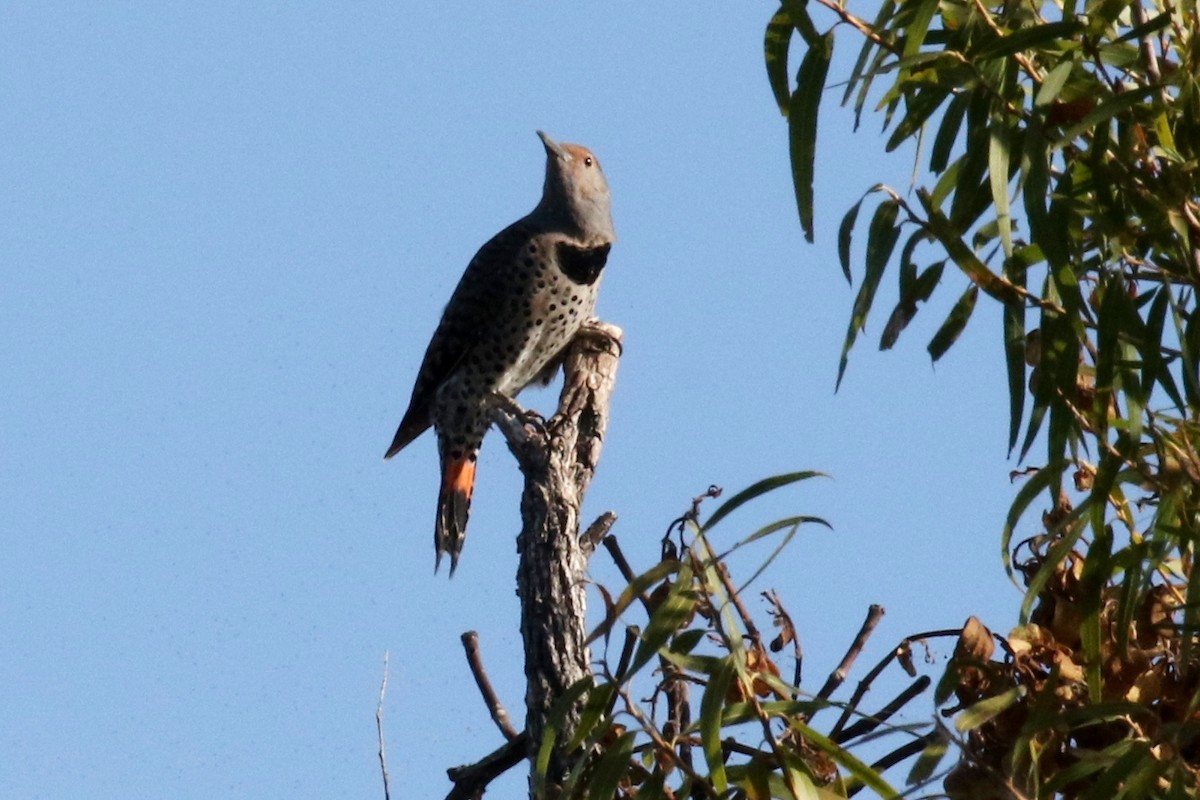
558	462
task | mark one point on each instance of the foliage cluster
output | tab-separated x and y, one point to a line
1062	181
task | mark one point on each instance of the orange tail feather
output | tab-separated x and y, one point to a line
454	506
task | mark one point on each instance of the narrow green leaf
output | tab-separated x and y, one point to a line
554	724
665	622
1191	622
998	158
1109	323
802	125
1152	25
988	709
862	75
881	240
1102	113
595	709
927	763
755	490
1072	531
969	201
711	706
775	527
1035	163
1154	365
776	41
1014	352
1094	580
947	135
910	292
1033	487
613	766
960	253
797	11
857	769
921	106
1027	39
1189	349
845	231
631	592
948	334
1053	84
915	30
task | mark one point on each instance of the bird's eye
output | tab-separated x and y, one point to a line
587	162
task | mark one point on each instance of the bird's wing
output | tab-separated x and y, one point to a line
473	310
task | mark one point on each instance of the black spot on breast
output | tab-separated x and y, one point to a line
582	264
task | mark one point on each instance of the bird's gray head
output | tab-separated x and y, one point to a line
576	195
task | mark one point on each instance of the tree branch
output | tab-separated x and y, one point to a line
558	468
470	780
470	641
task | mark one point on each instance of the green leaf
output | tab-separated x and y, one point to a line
613	766
667	619
712	705
914	31
948	334
947	134
881	240
861	75
756	490
858	770
988	709
597	707
797	12
927	763
554	725
1096	572
1105	111
776	41
802	125
1032	488
998	158
1053	84
963	257
1052	33
913	289
1072	532
632	592
845	230
793	524
1153	364
921	105
969	202
1014	352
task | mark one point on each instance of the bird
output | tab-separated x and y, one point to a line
518	305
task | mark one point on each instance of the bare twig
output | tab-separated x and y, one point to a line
838	676
870	677
614	551
470	641
387	781
860	25
598	530
470	780
869	723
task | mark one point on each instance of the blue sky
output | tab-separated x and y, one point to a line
228	232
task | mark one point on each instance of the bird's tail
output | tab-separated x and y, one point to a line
454	506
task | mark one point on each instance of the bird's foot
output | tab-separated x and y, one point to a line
530	420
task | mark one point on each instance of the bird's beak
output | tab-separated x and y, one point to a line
554	148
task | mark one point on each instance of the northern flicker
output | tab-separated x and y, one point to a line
519	303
